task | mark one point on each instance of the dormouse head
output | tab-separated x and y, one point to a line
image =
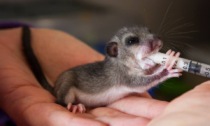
133	44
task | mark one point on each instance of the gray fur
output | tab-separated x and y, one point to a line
96	78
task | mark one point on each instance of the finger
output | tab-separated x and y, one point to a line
168	52
81	108
175	71
199	96
177	54
168	61
173	61
178	111
116	118
177	75
145	95
69	106
54	115
148	108
74	108
205	87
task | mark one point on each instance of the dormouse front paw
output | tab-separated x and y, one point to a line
170	64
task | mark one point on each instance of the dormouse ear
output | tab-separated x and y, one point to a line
112	49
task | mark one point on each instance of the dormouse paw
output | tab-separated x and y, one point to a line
76	108
170	64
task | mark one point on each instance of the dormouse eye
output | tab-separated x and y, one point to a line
132	40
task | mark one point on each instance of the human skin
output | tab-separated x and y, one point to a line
190	109
28	104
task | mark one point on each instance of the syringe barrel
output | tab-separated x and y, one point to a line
184	64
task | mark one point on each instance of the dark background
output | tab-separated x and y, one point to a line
182	24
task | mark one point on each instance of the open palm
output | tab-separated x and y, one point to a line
28	103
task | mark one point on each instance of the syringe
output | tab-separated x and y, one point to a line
184	64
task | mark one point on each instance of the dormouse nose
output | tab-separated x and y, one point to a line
154	43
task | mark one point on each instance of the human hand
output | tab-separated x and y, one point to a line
28	103
190	109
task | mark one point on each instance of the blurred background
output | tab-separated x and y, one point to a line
183	25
